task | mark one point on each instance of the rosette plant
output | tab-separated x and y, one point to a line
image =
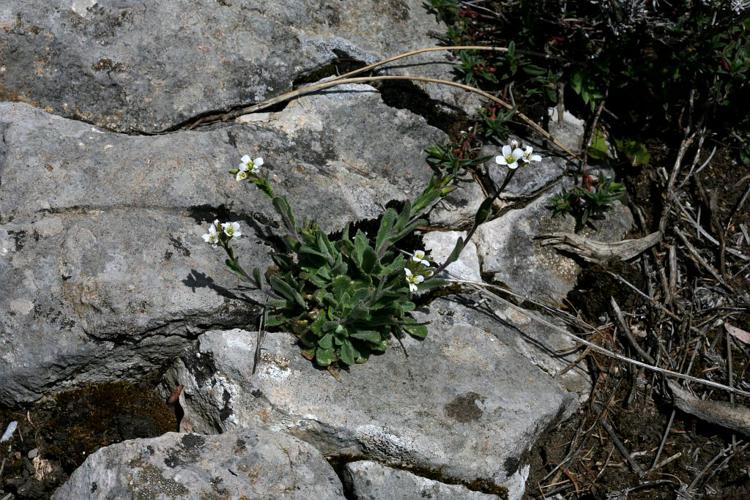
344	295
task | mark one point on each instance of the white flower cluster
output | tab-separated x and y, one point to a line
413	279
221	232
513	154
248	166
421	265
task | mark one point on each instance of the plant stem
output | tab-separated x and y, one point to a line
473	229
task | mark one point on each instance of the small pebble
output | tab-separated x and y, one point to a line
33	453
9	431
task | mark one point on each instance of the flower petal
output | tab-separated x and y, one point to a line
500	160
258	162
407	271
245	159
507	150
513	165
517	153
536	158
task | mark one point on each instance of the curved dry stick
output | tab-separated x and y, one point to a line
416	52
294	93
367	79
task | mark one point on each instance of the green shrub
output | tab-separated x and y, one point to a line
650	59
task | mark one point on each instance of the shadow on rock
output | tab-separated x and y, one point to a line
197	279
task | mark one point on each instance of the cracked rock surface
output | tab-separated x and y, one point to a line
373	481
252	463
463	408
100	232
148	65
511	255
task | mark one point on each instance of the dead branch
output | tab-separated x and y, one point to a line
310	89
715	412
600	252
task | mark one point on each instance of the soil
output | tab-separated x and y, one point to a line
578	458
598	470
56	435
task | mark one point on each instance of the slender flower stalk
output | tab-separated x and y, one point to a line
512	156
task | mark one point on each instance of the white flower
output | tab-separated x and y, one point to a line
241	175
419	256
231	229
511	154
212	237
528	155
249	166
413	279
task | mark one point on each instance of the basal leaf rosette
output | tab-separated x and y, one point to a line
344	296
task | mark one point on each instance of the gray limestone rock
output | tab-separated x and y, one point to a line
148	66
254	463
373	481
441	244
314	151
93	295
457	210
103	272
462	408
509	253
569	131
530	179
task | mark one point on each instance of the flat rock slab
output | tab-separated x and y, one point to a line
510	254
373	481
440	244
463	408
100	232
315	153
254	463
106	294
457	210
148	66
529	180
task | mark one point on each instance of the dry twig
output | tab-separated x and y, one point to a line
715	412
600	251
481	287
